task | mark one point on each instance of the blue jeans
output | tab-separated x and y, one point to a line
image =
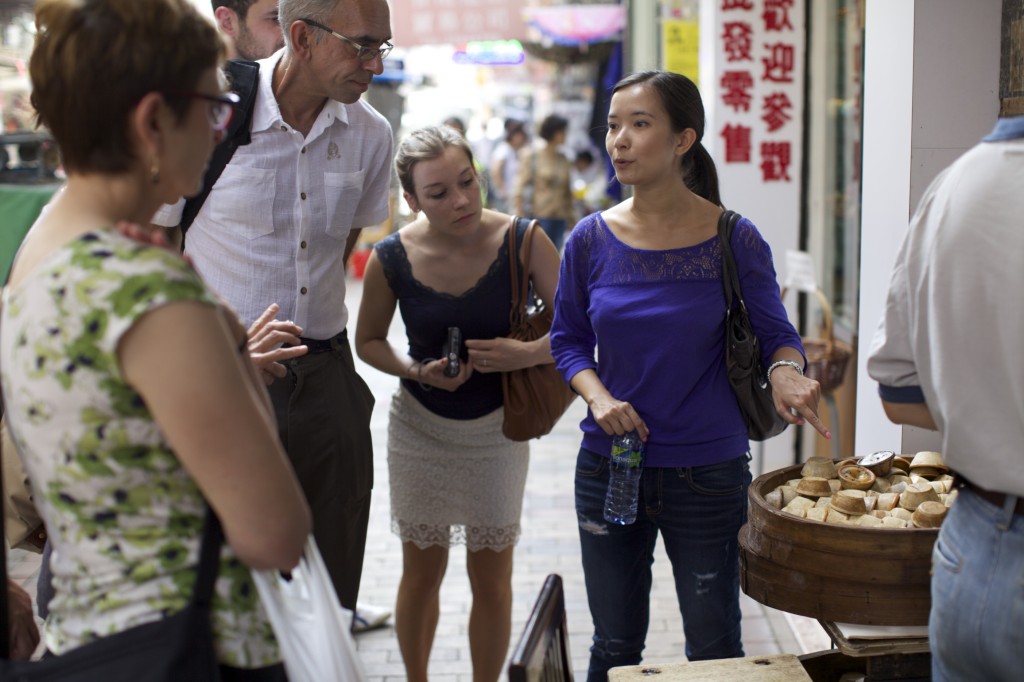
699	512
555	229
976	626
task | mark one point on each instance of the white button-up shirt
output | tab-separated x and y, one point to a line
275	225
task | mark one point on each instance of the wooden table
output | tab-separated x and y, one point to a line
879	658
777	668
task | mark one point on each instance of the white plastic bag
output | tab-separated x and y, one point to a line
312	629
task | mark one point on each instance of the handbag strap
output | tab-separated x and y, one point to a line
730	273
520	285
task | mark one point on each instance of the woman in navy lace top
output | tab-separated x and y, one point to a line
641	284
454	478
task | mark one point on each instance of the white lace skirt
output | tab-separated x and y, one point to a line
453	481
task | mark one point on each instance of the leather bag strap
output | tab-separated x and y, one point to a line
730	273
520	285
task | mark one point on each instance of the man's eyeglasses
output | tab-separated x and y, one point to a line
222	107
363	52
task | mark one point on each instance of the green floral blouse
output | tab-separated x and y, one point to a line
123	516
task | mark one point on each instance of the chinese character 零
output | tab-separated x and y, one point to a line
736	87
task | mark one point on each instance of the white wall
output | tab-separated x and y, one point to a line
931	91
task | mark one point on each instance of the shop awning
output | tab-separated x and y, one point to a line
577	24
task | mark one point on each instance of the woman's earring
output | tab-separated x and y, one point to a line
154	172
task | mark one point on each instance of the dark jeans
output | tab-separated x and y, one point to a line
699	512
555	230
323	417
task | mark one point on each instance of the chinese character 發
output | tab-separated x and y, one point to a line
775	160
736	87
737	143
736	41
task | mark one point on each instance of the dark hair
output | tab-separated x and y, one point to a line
551	126
456	123
682	101
584	154
94	60
239	7
513	128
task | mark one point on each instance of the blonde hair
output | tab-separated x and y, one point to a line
94	60
426	144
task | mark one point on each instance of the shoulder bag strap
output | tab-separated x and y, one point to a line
730	276
520	284
245	79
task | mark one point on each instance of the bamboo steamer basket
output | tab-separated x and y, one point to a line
846	574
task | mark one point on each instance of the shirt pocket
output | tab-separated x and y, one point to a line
342	192
243	201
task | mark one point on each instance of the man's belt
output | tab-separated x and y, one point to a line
324	345
998	499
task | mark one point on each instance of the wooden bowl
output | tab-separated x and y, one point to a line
915	494
879	462
814	486
929	515
819	467
856	477
901	463
848	502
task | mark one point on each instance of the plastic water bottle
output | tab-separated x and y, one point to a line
626	466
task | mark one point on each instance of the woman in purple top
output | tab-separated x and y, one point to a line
641	284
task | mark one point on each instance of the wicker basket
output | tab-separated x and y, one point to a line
826	358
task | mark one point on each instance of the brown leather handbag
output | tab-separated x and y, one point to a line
535	397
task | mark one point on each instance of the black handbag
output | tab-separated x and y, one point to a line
178	647
743	363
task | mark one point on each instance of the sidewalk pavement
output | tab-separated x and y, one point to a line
549	544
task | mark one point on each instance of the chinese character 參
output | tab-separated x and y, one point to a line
776	15
776	110
736	87
737	143
736	41
737	4
775	159
778	65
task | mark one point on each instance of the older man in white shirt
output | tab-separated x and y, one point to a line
278	226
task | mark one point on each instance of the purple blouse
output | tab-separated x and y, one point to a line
656	320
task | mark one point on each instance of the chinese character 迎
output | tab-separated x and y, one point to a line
776	110
737	143
775	160
779	64
736	41
736	87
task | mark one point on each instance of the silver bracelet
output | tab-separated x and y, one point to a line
780	363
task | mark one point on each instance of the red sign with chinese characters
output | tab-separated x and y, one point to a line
759	80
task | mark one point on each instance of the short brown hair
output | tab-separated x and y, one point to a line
95	59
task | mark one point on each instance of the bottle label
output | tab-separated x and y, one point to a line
626	456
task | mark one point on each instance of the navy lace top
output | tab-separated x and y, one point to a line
481	313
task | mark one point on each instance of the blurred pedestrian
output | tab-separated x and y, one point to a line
543	190
505	164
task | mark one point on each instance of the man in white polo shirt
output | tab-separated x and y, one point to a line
279	225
